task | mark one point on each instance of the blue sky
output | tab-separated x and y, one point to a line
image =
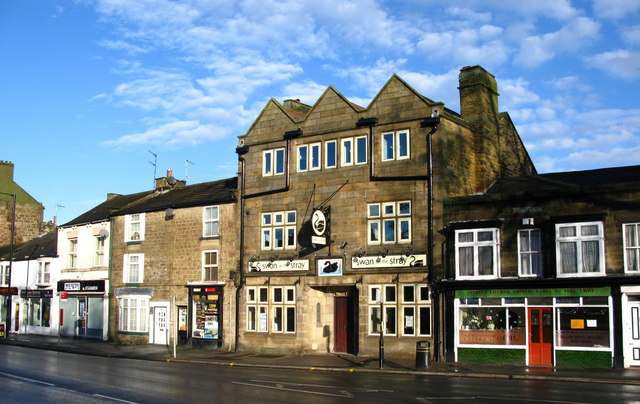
89	87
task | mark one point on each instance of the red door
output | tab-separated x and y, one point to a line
340	316
540	336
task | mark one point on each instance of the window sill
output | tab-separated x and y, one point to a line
133	242
133	332
581	275
210	237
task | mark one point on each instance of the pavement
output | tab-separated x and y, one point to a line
320	362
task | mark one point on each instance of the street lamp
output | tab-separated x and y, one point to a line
432	123
381	344
9	296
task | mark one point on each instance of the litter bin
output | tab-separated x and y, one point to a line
422	355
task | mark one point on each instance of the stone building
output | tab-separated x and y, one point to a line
543	270
172	253
28	211
334	213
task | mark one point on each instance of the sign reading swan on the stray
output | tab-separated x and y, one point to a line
389	261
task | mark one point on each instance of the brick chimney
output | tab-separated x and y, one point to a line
479	106
169	182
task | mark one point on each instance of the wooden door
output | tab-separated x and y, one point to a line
540	336
340	324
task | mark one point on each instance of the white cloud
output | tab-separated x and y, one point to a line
307	92
538	49
631	35
615	8
619	63
172	134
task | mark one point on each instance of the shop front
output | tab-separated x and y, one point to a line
535	326
84	308
205	316
37	311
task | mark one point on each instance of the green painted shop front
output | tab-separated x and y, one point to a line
562	327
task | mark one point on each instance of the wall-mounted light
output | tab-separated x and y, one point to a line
343	245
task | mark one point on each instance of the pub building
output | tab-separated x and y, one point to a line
543	270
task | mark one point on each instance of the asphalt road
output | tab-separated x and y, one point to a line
39	376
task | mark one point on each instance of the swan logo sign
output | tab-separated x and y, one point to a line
330	267
319	226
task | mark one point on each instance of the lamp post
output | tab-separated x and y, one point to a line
432	123
9	296
381	344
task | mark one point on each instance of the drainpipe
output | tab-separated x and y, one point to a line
432	123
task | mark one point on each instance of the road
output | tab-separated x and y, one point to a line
39	376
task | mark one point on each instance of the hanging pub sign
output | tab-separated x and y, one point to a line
389	261
319	226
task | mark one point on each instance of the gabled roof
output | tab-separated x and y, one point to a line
42	246
101	212
206	193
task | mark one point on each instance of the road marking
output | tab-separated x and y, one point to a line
26	379
114	399
324	386
318	393
509	399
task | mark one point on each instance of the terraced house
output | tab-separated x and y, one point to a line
172	252
338	206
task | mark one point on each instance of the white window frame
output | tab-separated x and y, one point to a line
98	258
73	252
127	276
328	154
315	162
262	300
275	229
303	156
357	147
377	292
579	239
347	152
214	221
4	274
394	139
270	162
633	248
141	323
207	268
530	253
476	245
44	273
388	213
129	221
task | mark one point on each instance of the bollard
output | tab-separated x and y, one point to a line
422	355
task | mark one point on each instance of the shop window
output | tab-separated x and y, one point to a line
631	247
395	145
271	309
529	252
477	253
99	252
416	310
44	273
210	265
273	162
134	225
583	327
210	221
206	316
580	249
134	314
73	253
389	222
491	321
38	311
278	230
133	268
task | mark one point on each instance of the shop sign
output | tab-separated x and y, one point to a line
36	294
279	265
8	291
390	261
319	227
2	330
81	286
330	267
535	292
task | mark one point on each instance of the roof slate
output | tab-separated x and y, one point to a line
42	246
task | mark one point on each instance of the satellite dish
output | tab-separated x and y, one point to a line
103	234
171	180
169	213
